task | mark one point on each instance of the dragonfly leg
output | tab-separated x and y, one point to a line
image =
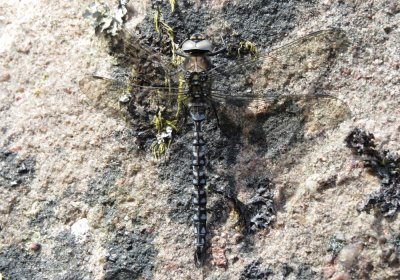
223	49
218	51
185	114
215	111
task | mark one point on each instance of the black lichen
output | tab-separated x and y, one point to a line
14	171
67	260
253	271
258	212
305	272
385	165
131	255
396	242
286	270
100	187
260	209
15	263
300	271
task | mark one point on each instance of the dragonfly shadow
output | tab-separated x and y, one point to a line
248	140
272	129
271	132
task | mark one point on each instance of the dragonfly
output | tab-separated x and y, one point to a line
154	85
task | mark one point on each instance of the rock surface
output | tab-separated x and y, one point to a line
80	199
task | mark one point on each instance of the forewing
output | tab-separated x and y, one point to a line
103	93
132	53
295	66
149	66
140	79
275	126
142	85
286	77
120	98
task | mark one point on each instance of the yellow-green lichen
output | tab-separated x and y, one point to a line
173	4
181	94
162	27
247	46
164	129
37	92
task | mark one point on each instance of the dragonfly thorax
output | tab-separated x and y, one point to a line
197	84
196	77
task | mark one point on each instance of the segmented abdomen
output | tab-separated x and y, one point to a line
198	114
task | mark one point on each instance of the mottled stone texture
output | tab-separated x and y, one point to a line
82	198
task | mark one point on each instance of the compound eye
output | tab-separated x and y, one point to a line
197	37
203	78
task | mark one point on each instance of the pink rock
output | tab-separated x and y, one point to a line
219	258
328	270
4	77
342	276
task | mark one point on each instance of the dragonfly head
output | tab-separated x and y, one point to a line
198	37
197	43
